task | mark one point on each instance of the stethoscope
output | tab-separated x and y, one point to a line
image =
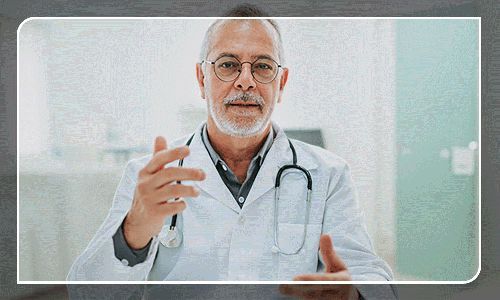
173	237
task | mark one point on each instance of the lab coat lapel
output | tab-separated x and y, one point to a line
213	184
279	155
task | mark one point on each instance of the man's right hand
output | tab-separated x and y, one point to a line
155	185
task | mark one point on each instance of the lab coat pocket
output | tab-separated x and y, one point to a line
290	237
166	259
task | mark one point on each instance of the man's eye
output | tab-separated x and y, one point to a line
263	67
227	65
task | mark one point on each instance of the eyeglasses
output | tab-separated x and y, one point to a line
228	68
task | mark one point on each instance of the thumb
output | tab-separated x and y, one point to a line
332	261
160	144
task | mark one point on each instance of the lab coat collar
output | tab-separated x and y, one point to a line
279	155
213	184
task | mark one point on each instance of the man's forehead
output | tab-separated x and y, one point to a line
233	35
239	57
242	25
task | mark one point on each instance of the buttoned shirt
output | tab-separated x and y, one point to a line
238	190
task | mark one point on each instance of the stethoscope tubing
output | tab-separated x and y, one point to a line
175	236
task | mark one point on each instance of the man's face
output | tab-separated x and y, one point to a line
241	107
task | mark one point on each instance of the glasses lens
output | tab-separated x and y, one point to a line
227	68
264	70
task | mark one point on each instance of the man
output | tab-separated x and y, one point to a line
227	215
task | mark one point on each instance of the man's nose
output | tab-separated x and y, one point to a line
245	80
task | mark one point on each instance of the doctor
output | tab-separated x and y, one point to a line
228	217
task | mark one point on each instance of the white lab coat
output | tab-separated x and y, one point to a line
223	242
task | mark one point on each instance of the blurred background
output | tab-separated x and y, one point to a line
398	99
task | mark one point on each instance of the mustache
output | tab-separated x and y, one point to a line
246	97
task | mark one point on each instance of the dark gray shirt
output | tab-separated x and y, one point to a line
239	191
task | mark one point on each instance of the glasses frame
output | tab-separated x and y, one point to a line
241	68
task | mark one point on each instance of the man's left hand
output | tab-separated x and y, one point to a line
335	270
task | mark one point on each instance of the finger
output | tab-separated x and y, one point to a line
333	263
318	287
160	144
312	291
172	191
339	276
163	157
171	208
169	175
291	290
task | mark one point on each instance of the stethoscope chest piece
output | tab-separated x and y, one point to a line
171	238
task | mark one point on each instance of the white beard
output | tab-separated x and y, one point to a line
238	129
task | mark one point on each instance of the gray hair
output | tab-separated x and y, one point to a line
207	40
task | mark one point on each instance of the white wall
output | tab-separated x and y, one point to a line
34	129
88	85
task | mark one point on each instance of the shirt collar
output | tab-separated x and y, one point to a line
265	148
216	158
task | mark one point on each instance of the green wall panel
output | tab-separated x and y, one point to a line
436	110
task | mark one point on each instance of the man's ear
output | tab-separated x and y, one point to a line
283	80
201	79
